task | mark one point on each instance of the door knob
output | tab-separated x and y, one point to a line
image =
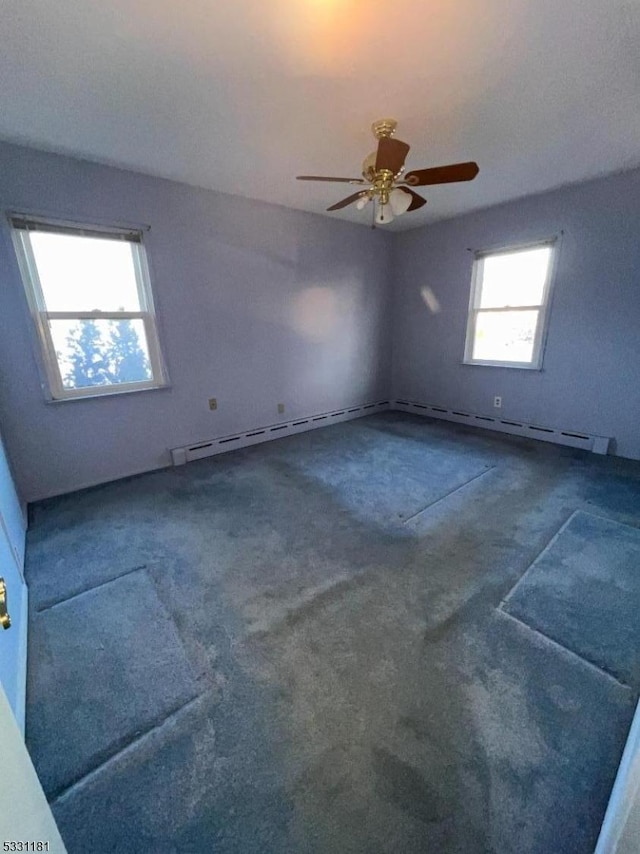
5	619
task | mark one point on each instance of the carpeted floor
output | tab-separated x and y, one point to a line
389	635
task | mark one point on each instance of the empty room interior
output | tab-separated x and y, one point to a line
320	427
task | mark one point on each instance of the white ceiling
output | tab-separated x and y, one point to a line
241	96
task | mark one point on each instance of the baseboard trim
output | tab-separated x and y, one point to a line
325	418
258	435
572	438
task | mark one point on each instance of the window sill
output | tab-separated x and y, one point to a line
509	365
107	394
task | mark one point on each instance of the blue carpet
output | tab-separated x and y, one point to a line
313	658
382	481
117	645
550	729
584	592
68	555
179	791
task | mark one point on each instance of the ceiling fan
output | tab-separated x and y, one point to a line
389	188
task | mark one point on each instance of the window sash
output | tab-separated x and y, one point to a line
24	223
537	340
41	316
542	308
53	366
509	308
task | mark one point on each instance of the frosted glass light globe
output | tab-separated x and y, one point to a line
399	201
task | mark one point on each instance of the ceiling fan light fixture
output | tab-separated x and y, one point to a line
389	186
399	201
384	214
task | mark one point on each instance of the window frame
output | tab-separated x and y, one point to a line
543	309
21	227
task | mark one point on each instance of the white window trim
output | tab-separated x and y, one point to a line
41	317
543	308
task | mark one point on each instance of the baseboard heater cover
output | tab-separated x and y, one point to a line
572	438
211	447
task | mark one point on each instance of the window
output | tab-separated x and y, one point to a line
508	306
90	296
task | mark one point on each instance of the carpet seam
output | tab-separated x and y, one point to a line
560	530
129	745
590	664
82	592
607	519
449	494
548	545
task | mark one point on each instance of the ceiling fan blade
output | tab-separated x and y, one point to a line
391	154
336	180
348	201
416	200
442	174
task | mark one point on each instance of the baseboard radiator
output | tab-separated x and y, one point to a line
572	438
210	447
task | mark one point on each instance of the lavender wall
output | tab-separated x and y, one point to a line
591	374
257	305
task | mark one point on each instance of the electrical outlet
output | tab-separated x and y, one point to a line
497	401
213	403
280	408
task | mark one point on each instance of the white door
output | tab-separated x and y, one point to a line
620	832
25	816
13	594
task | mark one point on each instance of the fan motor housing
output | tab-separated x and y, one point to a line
384	127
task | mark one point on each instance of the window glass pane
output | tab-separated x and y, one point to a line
505	336
514	278
101	352
85	273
